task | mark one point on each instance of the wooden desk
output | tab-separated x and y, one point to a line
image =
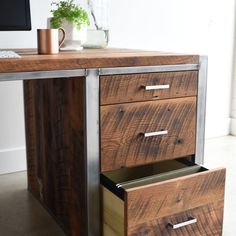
93	58
65	96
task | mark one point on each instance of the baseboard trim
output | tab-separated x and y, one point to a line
233	126
217	127
12	160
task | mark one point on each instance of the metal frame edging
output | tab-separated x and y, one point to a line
201	110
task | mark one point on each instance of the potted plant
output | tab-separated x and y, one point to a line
74	19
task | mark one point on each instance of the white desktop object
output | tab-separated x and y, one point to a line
96	39
74	38
9	54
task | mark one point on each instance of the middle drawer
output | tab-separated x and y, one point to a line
145	132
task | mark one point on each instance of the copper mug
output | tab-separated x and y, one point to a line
48	40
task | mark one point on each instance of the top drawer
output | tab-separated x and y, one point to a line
149	86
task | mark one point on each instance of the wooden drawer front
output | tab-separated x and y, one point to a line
148	209
209	222
130	88
123	126
173	196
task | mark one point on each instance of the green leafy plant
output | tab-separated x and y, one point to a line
69	11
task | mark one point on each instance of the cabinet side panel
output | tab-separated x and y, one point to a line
30	134
58	137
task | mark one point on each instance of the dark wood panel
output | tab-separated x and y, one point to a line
172	196
122	126
30	133
93	59
57	159
130	88
209	222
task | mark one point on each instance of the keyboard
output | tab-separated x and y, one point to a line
9	54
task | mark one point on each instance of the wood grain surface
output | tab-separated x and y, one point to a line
172	197
209	222
112	214
55	149
30	133
130	88
123	125
92	58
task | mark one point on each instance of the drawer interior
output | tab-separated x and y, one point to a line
120	180
136	198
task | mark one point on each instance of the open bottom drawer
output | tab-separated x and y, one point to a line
169	198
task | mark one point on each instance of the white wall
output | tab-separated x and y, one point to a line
198	26
233	90
12	140
12	144
233	111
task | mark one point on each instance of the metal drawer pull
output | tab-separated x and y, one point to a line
157	87
158	133
191	220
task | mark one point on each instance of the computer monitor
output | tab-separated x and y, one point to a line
15	15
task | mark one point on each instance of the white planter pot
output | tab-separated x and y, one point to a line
74	38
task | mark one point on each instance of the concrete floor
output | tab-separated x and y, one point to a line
21	214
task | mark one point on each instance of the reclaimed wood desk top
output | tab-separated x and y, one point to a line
91	58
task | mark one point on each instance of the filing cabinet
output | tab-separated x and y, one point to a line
115	142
